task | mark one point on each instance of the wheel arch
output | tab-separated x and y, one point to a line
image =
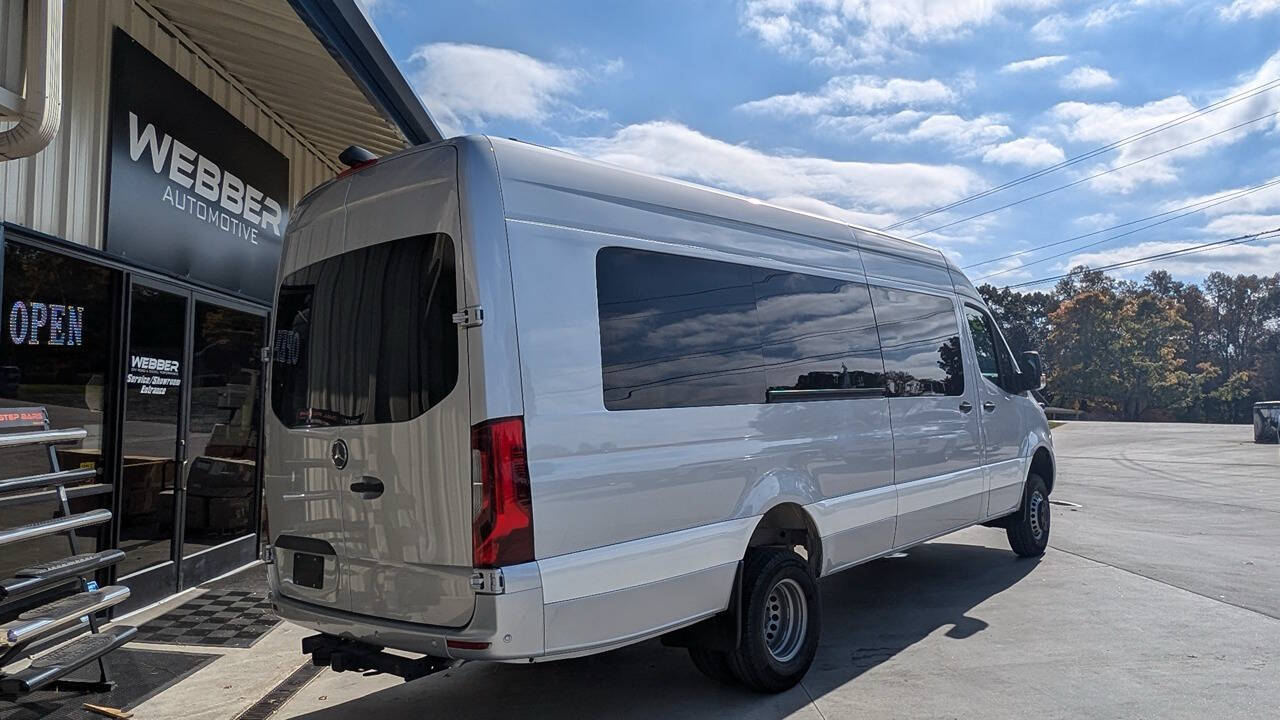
1042	465
789	525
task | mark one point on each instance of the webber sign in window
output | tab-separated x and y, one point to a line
192	190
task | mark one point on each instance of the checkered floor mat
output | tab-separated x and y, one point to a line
226	618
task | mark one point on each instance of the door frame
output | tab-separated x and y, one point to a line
217	560
164	579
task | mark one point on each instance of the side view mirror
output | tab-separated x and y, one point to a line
1032	375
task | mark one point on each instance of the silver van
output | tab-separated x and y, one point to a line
527	406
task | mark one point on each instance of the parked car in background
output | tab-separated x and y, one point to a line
1266	422
527	406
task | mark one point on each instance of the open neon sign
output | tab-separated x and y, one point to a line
37	323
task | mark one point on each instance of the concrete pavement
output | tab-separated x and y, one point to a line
1159	598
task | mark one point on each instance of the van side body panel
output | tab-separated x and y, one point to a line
621	497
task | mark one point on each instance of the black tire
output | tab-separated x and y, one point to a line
714	665
1028	529
782	611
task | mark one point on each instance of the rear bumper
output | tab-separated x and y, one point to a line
511	622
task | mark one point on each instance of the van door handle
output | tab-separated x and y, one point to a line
966	406
368	487
989	406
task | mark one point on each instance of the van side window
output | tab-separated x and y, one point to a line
920	340
677	331
367	336
984	344
819	337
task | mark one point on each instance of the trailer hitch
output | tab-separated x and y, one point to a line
344	655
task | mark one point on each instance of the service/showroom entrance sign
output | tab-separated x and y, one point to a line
192	190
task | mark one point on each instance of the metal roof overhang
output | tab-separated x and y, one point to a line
318	64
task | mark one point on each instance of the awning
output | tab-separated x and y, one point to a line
329	77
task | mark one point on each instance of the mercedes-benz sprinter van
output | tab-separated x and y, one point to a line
527	406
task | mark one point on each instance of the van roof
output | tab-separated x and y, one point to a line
557	166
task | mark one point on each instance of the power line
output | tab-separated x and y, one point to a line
1225	102
1239	239
1212	202
1108	171
1238	193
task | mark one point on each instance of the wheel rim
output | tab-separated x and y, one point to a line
1039	515
786	619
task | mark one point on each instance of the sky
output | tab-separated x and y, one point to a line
876	111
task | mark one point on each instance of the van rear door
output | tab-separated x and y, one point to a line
369	381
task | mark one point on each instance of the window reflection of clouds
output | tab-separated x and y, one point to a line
678	331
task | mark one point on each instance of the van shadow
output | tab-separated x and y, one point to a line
870	614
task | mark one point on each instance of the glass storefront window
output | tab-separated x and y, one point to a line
59	322
223	426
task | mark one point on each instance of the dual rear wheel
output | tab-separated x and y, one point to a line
782	612
781	622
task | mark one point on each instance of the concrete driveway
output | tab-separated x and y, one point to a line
1160	598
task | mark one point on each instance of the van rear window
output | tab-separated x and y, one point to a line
367	337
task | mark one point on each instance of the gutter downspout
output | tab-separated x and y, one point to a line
42	100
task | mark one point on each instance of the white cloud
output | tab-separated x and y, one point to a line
966	135
856	93
1102	123
1097	220
1241	9
1039	63
874	190
1087	77
1050	29
1245	258
841	33
1238	224
467	86
1027	151
1261	201
1054	28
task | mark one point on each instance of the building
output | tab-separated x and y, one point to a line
140	247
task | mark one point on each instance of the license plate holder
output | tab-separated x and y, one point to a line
308	570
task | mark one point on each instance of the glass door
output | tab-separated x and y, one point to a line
153	439
222	432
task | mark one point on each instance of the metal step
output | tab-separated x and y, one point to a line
59	614
42	437
32	579
58	663
44	480
54	525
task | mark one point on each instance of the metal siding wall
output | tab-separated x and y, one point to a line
62	190
11	34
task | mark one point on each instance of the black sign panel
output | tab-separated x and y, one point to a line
192	190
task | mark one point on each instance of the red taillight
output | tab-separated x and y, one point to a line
502	528
357	166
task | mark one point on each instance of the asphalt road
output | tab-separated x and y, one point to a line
1159	598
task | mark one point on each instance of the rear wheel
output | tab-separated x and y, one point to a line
714	665
781	621
1028	529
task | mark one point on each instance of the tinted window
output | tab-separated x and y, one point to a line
984	345
676	331
819	337
920	341
367	336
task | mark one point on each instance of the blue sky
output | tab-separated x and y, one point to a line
873	111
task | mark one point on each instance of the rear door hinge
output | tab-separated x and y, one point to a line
469	316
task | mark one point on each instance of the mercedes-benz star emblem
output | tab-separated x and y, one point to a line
338	454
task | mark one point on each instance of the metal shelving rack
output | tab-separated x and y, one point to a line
52	604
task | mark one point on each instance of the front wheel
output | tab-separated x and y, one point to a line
1028	529
781	621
